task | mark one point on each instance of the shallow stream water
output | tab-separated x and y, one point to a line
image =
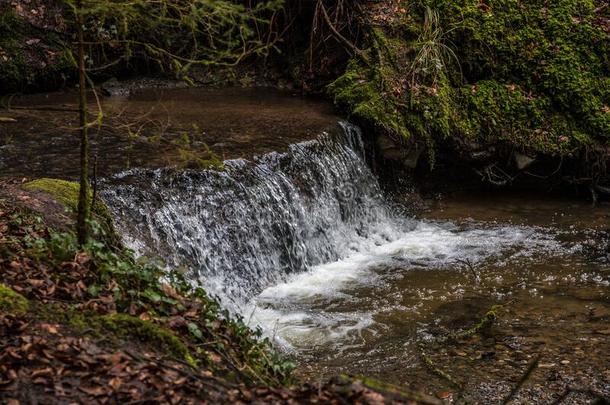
542	259
150	127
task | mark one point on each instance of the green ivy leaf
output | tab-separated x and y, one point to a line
94	290
194	330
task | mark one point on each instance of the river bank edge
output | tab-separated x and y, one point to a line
94	325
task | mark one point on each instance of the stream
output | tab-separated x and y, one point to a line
298	238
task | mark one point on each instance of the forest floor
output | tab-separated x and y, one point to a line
90	326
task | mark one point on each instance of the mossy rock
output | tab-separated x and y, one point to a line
11	302
533	75
398	394
127	326
66	193
63	191
123	326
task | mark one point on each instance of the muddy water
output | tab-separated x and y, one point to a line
553	287
154	128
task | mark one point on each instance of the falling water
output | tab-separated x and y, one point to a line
270	236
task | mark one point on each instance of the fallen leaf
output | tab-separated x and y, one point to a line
36	283
170	291
145	316
445	395
42	372
50	328
93	391
115	383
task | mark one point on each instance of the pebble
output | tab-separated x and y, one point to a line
565	362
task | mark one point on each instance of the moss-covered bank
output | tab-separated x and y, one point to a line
66	193
103	292
534	76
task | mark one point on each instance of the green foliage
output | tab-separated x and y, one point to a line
175	315
533	74
142	284
235	340
194	156
11	302
35	48
175	34
137	281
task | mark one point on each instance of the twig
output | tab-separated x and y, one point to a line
469	265
42	108
340	37
396	394
94	197
428	362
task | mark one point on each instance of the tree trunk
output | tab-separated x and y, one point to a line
82	226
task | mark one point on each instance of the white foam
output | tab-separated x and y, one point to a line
430	244
281	309
301	330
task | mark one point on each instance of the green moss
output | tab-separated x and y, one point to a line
555	54
66	193
360	91
121	326
484	325
128	326
532	74
403	91
12	302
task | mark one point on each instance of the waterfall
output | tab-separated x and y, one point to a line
268	236
255	223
